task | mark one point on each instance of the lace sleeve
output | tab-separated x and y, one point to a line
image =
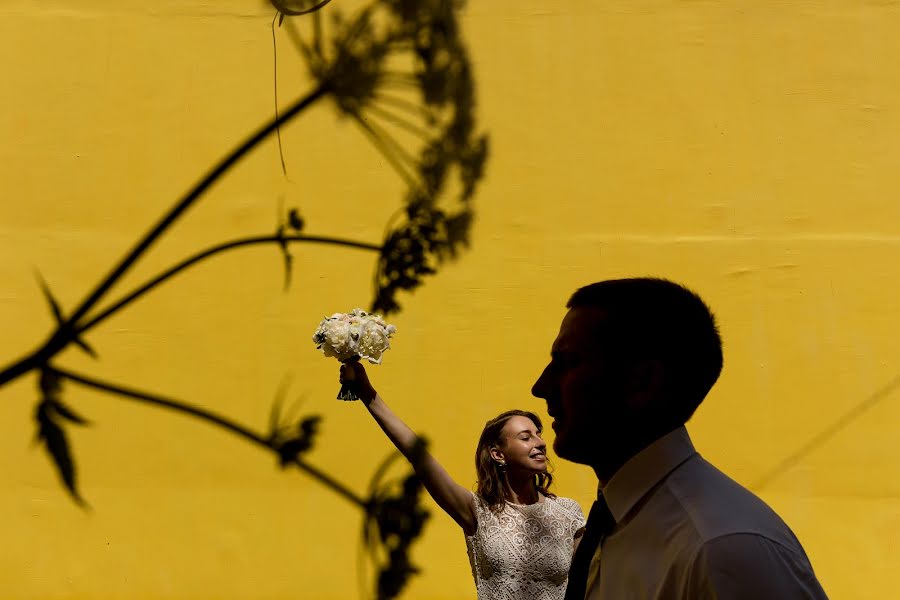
575	526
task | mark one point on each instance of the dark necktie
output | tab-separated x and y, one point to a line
599	523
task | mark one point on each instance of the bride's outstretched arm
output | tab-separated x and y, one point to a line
449	495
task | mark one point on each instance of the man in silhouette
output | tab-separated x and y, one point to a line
632	361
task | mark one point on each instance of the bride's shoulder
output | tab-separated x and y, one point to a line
567	504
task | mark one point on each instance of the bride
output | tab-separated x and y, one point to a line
520	536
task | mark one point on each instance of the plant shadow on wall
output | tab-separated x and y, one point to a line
399	70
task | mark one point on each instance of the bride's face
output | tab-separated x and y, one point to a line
521	446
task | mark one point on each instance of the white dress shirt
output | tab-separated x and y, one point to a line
684	530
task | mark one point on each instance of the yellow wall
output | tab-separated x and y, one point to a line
748	149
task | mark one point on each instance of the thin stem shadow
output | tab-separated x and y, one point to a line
213	419
212	251
64	333
192	196
827	434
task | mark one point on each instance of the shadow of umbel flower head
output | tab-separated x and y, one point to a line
394	520
399	69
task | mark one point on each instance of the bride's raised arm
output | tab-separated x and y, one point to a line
449	495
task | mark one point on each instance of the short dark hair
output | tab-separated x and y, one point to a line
658	318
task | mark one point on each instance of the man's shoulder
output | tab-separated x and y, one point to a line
717	506
754	566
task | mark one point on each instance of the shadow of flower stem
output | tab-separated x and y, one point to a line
65	332
212	251
269	442
393	520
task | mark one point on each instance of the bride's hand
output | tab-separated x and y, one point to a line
354	372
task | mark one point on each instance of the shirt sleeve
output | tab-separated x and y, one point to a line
747	566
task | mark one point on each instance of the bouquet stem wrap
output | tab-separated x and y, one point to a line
349	389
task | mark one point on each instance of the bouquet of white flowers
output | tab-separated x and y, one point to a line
353	336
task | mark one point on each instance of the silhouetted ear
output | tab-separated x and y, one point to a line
646	380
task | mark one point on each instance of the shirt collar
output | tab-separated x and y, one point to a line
646	469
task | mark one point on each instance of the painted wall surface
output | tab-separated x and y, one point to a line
747	149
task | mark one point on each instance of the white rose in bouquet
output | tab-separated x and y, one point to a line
374	339
352	336
336	339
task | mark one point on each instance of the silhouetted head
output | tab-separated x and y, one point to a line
632	361
511	446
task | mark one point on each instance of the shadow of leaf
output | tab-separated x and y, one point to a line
293	440
48	413
394	520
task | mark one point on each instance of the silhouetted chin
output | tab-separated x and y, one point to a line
564	449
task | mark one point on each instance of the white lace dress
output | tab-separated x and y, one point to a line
524	552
